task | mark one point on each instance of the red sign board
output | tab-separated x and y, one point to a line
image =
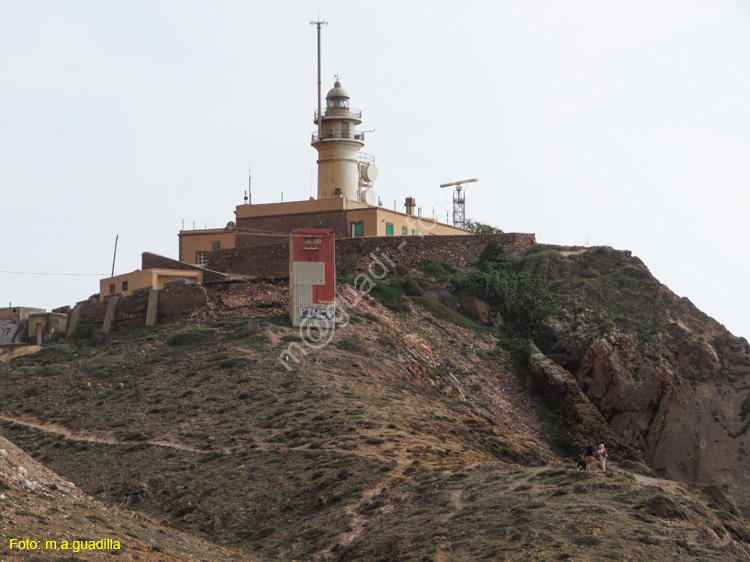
312	279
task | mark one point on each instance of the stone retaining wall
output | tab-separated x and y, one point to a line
352	254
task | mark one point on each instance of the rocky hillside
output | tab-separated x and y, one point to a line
670	381
416	433
38	505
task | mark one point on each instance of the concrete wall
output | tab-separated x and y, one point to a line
143	279
131	311
93	312
296	207
176	300
155	261
354	254
256	224
272	260
51	324
252	231
13	323
180	301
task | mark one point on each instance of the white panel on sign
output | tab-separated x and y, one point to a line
309	273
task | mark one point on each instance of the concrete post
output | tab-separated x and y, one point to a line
152	313
109	317
75	318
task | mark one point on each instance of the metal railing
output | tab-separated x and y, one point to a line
336	134
365	158
354	113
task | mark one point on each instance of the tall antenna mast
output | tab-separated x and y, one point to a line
319	24
249	185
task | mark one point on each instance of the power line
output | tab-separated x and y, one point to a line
85	205
29	215
41	273
90	207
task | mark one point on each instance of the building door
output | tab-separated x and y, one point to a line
357	229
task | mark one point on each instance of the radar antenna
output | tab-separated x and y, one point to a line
459	202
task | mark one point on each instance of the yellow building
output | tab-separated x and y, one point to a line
124	285
195	244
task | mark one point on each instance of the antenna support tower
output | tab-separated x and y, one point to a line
459	202
319	24
249	192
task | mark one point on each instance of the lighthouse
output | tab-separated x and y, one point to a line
342	171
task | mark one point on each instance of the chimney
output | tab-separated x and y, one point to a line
410	204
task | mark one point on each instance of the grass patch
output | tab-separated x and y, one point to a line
391	295
439	270
442	312
513	344
104	366
191	336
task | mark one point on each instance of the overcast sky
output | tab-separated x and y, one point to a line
588	123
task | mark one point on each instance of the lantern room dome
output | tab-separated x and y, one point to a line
337	91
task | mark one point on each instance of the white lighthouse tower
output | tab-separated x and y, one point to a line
341	170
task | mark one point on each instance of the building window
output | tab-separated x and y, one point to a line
216	245
357	230
389	229
415	232
404	230
200	258
112	288
124	286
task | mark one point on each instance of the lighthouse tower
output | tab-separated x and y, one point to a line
338	144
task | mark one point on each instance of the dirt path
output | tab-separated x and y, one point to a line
105	438
670	485
358	521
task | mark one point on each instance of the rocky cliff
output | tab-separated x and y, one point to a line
671	382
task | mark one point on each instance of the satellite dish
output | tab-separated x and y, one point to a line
370	172
370	197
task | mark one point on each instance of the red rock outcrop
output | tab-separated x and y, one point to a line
682	401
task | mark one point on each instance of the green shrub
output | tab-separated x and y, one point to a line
243	333
208	457
350	343
103	366
387	340
52	370
191	336
442	312
523	300
60	353
511	343
233	362
392	296
32	391
412	288
83	331
437	269
745	408
400	270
